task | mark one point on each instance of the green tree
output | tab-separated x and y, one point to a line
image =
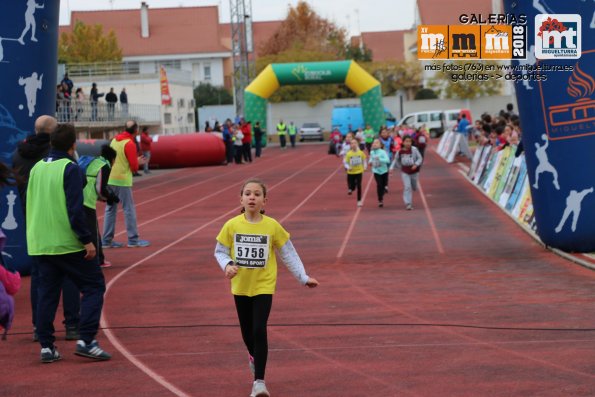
451	85
88	43
358	54
206	94
425	93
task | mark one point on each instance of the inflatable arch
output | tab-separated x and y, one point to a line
303	73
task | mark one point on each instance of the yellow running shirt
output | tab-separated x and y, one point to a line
252	247
355	161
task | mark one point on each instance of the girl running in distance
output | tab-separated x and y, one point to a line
408	159
355	164
245	251
380	162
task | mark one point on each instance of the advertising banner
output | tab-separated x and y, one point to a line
28	65
555	89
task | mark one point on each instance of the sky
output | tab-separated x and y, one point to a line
353	15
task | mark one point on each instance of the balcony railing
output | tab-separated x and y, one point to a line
102	69
97	114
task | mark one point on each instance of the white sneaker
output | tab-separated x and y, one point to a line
359	203
259	389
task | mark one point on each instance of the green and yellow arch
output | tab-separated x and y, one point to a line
347	72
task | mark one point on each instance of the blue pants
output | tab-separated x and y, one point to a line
71	297
109	224
86	275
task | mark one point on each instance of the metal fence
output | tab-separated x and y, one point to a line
101	113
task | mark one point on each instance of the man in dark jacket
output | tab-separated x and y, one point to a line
28	153
111	98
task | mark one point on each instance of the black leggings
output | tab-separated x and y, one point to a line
381	183
355	181
253	313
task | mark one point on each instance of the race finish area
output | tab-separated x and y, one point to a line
450	299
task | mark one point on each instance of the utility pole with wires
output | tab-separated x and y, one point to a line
242	49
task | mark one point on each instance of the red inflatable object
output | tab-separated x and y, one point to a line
186	150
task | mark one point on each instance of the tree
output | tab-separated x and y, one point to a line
303	29
395	75
470	84
363	54
87	44
425	93
206	94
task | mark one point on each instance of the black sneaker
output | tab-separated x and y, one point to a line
72	333
49	355
91	350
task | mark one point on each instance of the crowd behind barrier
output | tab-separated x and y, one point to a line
498	166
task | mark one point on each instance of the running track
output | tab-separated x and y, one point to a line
451	299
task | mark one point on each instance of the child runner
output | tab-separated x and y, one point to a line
245	251
380	162
388	143
355	164
408	160
369	136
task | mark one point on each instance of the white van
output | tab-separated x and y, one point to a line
433	119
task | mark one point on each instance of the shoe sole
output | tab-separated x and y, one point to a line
92	356
51	361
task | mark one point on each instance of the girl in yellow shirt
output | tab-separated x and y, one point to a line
355	164
245	251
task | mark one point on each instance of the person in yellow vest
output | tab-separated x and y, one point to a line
292	131
97	172
58	236
120	181
282	133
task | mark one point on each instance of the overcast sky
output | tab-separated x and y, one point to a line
373	15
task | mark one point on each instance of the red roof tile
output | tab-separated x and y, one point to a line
385	46
261	32
182	30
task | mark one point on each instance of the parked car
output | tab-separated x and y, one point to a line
433	120
311	131
436	121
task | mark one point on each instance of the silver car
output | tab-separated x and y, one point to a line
311	131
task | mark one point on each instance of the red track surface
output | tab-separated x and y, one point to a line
451	299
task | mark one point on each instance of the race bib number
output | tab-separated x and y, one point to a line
251	250
355	161
375	162
422	139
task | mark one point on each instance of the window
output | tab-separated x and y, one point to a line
190	118
435	116
172	63
181	103
422	118
409	120
191	104
207	72
166	118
